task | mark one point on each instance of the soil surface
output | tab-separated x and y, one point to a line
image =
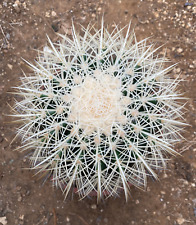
24	199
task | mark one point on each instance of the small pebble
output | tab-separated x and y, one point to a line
16	6
188	4
67	219
10	66
194	212
165	175
188	7
191	66
5	4
93	206
156	14
3	220
7	36
53	13
47	14
180	220
21	217
192	184
179	50
24	5
19	198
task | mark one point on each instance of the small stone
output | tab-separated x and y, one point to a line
194	212
11	161
16	6
188	4
10	66
3	220
24	160
28	193
5	4
24	5
93	206
177	70
21	217
191	66
185	181
19	198
137	202
67	219
180	220
179	50
18	188
47	14
165	175
7	36
156	14
53	13
83	18
163	192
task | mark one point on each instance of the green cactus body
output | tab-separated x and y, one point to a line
99	112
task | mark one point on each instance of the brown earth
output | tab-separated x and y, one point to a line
23	28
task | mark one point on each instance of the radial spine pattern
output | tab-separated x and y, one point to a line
99	112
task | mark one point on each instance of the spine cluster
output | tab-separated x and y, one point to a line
99	112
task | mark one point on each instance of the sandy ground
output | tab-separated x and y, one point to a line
24	199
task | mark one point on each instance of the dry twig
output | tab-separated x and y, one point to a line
4	34
54	216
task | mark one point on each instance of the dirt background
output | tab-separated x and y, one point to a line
24	200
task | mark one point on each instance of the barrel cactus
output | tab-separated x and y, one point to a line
99	112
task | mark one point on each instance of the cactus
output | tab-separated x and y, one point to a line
99	112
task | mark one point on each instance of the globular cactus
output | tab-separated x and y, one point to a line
99	112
